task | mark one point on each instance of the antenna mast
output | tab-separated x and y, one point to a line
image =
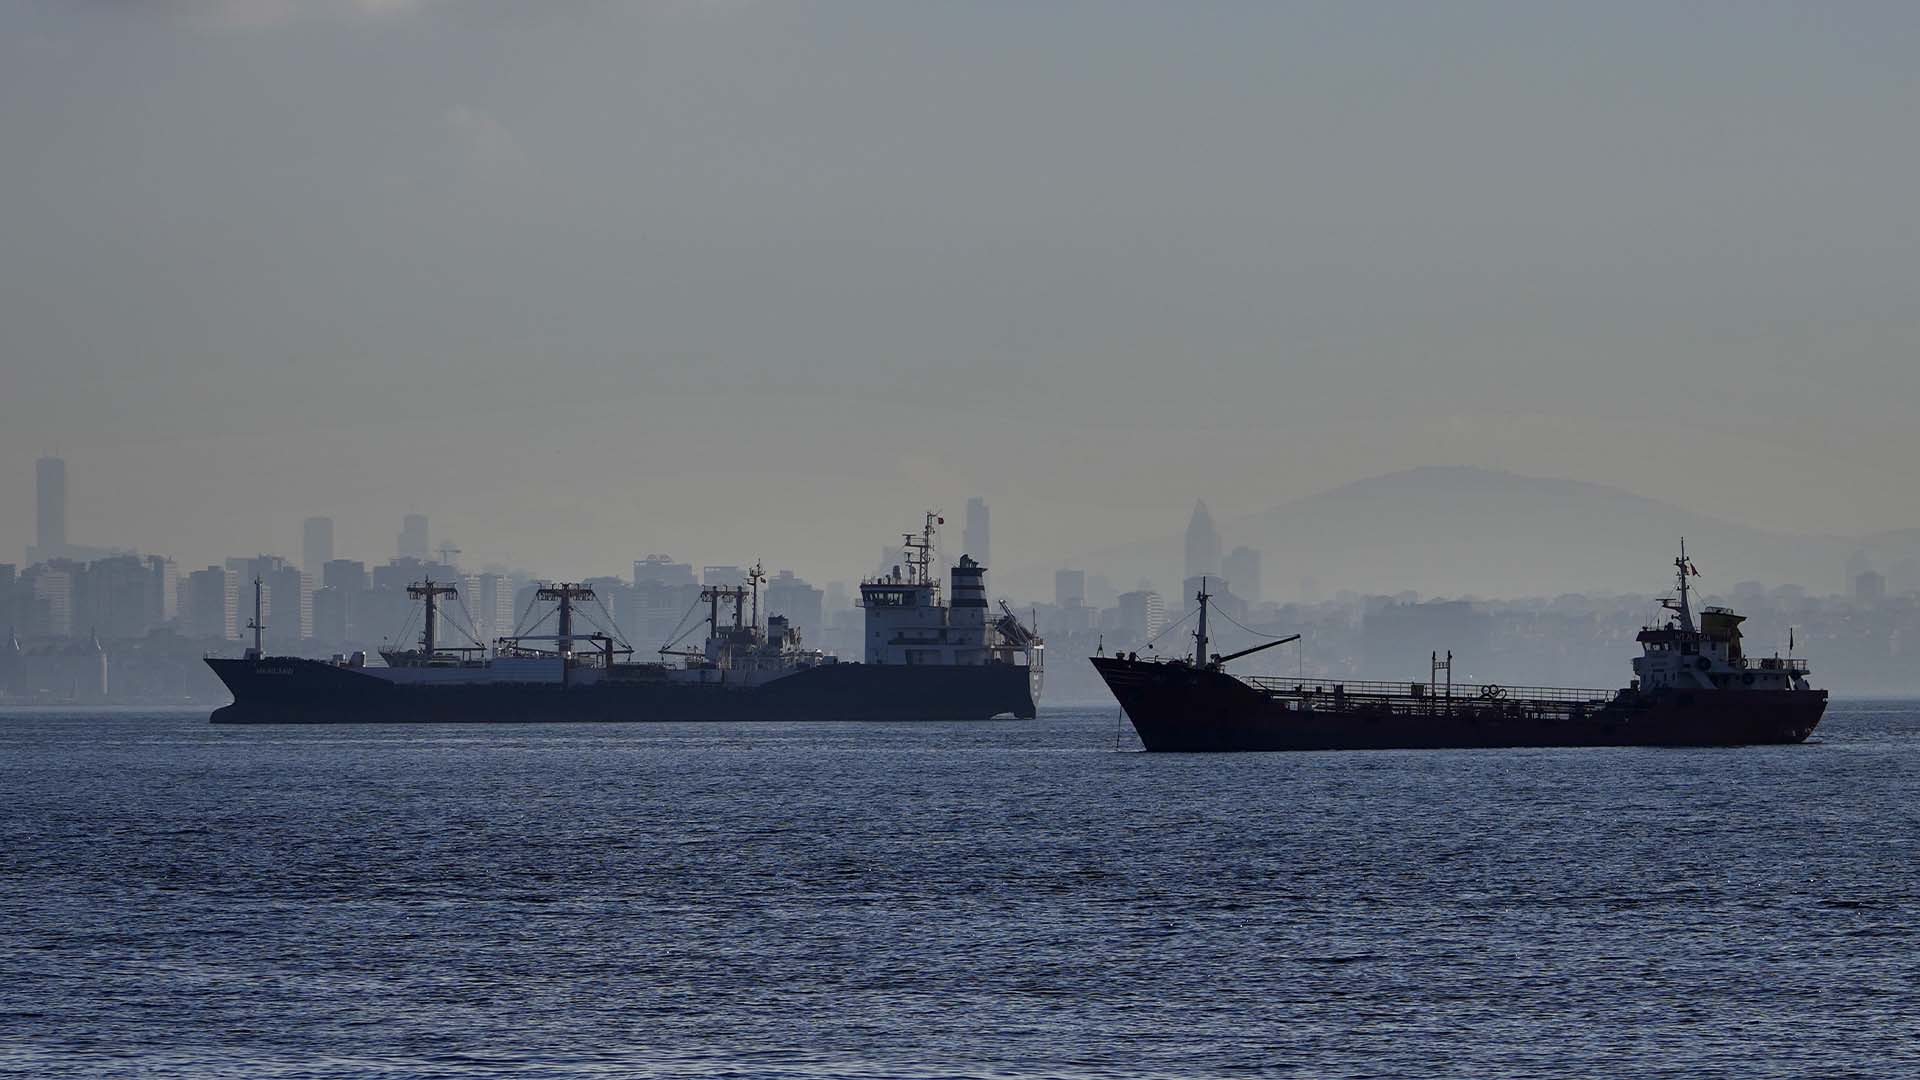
755	576
920	551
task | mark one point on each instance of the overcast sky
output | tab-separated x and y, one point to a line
725	279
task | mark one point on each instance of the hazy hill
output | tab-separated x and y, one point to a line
1454	530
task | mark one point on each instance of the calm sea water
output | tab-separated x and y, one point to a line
1008	899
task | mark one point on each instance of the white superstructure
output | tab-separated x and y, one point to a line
907	624
1707	655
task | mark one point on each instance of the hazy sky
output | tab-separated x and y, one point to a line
583	281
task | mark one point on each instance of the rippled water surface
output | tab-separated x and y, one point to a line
1008	899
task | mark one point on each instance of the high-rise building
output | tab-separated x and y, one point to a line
1870	587
1069	588
661	570
341	614
347	575
332	614
165	582
115	597
664	600
722	575
1241	568
976	538
412	541
490	598
210	603
1142	614
1203	542
316	545
53	587
1100	592
50	477
286	596
800	603
664	592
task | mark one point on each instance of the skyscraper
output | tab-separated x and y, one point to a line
1242	570
413	537
316	545
208	603
798	601
50	474
347	575
490	598
1203	542
976	539
53	587
286	597
1069	588
661	570
1142	614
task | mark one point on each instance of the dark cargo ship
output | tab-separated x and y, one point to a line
924	660
1694	686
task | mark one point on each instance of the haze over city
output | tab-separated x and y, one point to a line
767	280
808	539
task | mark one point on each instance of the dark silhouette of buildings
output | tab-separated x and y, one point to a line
1203	543
1242	568
209	602
412	542
316	545
1069	588
801	604
976	538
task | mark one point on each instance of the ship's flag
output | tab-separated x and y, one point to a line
1692	569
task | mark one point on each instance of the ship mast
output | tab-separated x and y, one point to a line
565	593
1683	569
428	592
920	551
1200	632
755	576
255	624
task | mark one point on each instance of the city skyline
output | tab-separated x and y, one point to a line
566	330
1205	550
320	585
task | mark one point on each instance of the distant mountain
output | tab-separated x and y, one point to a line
1460	531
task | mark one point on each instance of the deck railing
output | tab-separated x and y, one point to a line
1459	693
1791	665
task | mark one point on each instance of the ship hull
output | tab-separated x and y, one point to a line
1178	708
280	690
